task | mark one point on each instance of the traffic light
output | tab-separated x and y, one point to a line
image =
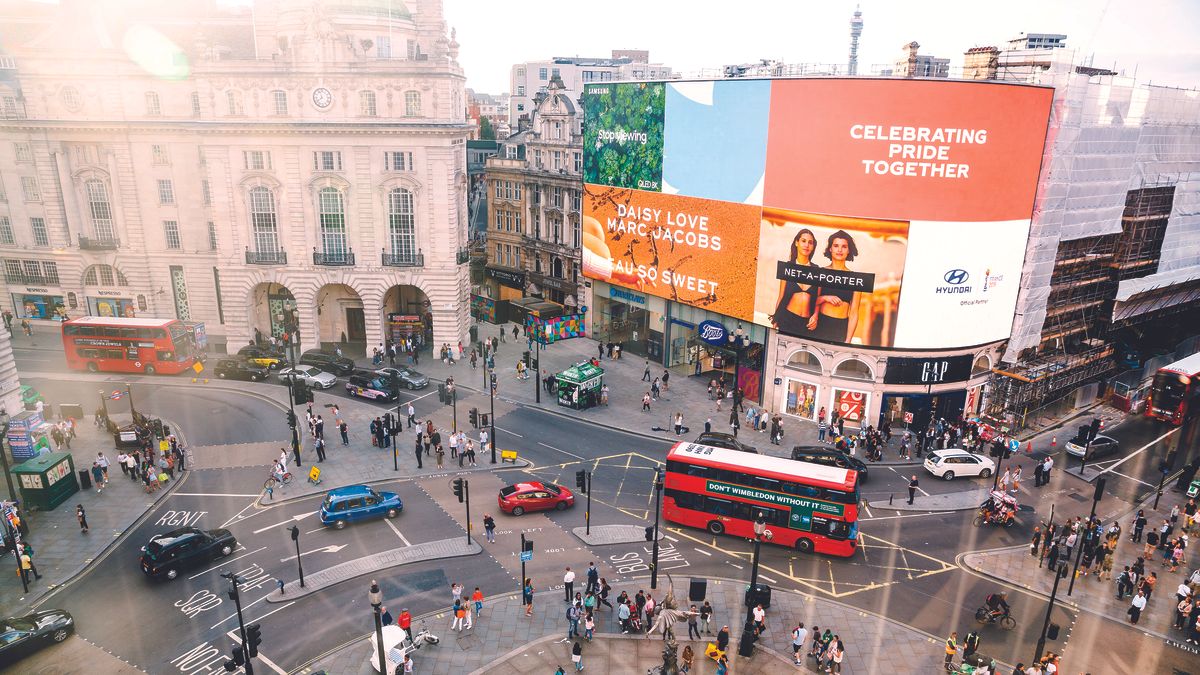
291	418
493	379
253	639
649	533
581	480
1094	429
458	489
528	545
302	394
525	358
474	416
484	419
442	394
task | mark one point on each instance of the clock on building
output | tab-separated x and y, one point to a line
322	98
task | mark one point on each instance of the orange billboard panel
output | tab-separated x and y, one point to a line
696	251
906	149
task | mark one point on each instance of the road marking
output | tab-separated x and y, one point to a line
667	536
763	576
319	529
700	550
571	454
907	515
396	530
238	515
226	562
514	433
868	510
234	615
1138	480
267	662
333	548
1137	452
209	494
418	398
292	520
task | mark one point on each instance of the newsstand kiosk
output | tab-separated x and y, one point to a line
579	386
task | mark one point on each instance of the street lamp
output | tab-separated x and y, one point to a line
658	488
492	396
738	341
375	597
746	645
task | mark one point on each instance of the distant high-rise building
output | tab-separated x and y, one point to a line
856	26
1037	41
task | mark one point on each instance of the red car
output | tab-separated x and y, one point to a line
534	496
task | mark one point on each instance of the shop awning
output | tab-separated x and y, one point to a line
581	373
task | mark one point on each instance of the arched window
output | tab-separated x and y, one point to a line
104	275
263	221
982	365
804	360
854	369
402	231
100	209
412	104
366	103
332	217
557	268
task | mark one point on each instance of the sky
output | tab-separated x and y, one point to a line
1154	37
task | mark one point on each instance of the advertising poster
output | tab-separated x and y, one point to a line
851	405
929	183
801	399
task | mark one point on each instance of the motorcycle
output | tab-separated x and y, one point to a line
985	616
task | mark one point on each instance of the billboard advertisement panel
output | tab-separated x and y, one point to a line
870	212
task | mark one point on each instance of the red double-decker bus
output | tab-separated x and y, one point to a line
807	506
119	345
1176	386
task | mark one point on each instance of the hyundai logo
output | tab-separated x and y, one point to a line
956	277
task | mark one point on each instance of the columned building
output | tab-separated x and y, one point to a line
298	166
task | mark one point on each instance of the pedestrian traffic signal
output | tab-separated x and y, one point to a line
581	481
253	639
484	418
458	489
527	545
649	533
474	416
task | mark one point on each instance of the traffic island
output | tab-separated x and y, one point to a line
603	535
322	579
952	501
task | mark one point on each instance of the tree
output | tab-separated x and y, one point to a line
486	131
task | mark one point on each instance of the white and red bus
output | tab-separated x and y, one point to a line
119	345
1175	387
807	506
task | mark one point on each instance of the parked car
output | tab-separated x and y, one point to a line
951	463
409	379
534	496
719	439
353	503
311	376
262	356
21	636
830	457
327	361
365	384
166	555
1102	446
240	369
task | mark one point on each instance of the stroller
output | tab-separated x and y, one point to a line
635	619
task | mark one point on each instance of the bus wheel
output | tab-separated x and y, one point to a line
716	527
149	369
92	367
804	545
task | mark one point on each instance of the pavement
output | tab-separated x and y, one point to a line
873	643
61	550
603	535
951	501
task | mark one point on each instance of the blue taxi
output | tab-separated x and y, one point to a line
353	503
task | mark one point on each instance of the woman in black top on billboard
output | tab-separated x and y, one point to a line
796	300
836	315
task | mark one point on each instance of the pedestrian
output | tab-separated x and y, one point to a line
706	614
489	528
678	423
1037	474
799	636
1016	480
723	639
1139	524
385	616
477	599
687	659
1005	480
970	644
666	380
589	625
98	478
319	446
838	652
760	619
577	656
573	615
457	624
646	372
81	516
345	431
527	592
27	565
602	596
912	488
723	665
1136	607
646	402
569	584
441	454
1036	543
623	615
593	578
951	650
1049	464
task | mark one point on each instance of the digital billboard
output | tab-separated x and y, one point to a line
886	213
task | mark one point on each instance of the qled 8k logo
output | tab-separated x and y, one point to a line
956	280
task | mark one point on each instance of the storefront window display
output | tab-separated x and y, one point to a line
30	306
123	307
620	320
801	399
851	405
919	409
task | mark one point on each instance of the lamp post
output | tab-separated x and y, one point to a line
299	564
492	396
453	404
1041	645
738	341
293	422
375	597
746	645
658	488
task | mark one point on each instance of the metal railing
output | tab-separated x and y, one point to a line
403	259
32	279
266	257
96	244
334	259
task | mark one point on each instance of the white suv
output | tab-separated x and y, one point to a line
951	462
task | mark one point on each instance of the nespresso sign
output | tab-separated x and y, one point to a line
934	370
507	277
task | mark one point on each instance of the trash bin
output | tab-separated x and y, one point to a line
85	479
71	410
758	594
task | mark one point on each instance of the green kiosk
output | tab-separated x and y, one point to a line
46	480
579	386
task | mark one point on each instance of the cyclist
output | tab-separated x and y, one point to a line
278	471
997	604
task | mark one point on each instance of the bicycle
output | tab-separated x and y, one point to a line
276	480
985	616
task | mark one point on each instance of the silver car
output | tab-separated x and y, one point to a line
310	376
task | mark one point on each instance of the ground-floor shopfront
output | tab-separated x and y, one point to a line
867	387
689	340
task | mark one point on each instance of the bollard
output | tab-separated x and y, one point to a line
889	500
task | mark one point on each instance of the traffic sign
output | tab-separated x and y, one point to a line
908	418
1014	444
526	556
198	367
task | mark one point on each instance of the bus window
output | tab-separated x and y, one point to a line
721	507
765	483
165	355
114	354
685	500
801	490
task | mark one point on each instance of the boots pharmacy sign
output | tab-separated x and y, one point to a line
803	509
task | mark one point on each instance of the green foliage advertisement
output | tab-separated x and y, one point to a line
623	134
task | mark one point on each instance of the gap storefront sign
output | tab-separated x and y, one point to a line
802	508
